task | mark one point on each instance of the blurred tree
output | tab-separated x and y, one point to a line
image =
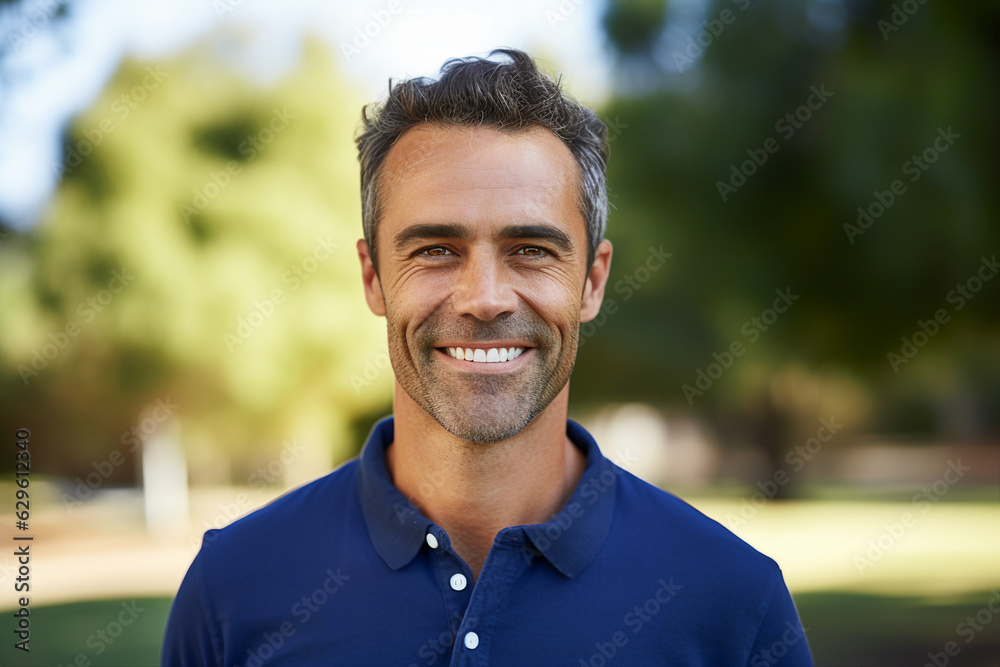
722	161
197	263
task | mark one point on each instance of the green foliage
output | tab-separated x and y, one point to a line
789	224
229	214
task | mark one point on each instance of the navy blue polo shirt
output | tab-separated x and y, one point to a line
347	571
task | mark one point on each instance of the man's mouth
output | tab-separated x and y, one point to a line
487	355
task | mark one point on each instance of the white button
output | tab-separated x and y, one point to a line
471	640
458	582
432	541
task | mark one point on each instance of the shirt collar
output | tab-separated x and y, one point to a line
569	541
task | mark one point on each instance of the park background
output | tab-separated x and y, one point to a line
810	184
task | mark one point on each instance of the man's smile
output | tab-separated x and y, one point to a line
486	359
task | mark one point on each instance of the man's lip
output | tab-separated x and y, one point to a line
484	346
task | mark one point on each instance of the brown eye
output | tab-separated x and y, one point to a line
532	251
433	252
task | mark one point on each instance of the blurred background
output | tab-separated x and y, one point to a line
800	335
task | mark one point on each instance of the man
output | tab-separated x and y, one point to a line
481	526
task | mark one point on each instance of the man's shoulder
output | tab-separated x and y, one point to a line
677	526
326	501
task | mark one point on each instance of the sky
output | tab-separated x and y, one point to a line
53	67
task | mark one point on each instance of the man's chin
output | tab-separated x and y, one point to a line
484	426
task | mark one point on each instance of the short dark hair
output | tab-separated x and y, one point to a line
509	96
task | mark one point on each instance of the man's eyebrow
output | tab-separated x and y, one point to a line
453	230
550	233
429	230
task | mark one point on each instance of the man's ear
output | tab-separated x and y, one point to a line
373	288
593	288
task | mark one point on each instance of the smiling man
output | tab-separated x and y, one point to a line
480	525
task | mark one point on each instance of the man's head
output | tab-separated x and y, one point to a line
484	205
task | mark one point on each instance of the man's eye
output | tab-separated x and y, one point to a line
435	251
533	251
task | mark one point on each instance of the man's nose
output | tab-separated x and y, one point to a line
482	288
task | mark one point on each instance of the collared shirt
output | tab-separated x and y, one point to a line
347	571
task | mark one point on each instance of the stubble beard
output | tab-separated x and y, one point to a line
483	408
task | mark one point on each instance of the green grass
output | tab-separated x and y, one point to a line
850	629
60	634
845	629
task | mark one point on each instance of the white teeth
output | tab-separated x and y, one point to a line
492	355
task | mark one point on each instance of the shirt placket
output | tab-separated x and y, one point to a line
477	605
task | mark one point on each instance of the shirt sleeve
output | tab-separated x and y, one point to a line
781	638
190	639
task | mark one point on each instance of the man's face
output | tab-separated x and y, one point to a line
481	245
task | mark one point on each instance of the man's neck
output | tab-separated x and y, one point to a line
473	491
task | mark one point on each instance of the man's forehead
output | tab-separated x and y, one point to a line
431	142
